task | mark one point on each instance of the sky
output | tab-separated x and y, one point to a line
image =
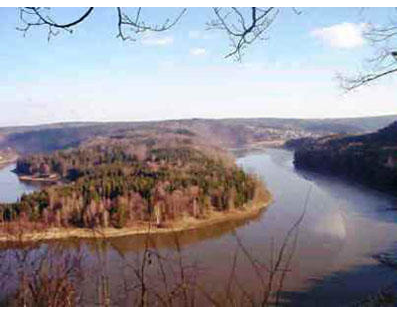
90	75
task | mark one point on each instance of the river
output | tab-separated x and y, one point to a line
336	231
10	186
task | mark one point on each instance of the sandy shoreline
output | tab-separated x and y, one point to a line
6	162
38	179
250	210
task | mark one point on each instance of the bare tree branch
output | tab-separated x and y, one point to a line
351	83
382	63
136	25
242	28
54	24
36	17
32	16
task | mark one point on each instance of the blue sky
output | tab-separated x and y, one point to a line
91	75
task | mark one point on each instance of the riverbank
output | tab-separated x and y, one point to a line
249	211
50	179
7	161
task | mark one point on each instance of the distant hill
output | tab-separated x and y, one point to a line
368	158
339	125
344	125
225	132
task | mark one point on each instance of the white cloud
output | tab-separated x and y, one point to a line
343	35
157	40
198	51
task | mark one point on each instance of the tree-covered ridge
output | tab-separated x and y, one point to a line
234	133
368	158
108	183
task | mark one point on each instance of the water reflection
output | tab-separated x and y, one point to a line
136	243
343	227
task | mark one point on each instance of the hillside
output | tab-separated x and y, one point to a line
231	133
369	158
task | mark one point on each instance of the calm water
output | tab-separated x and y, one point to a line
10	186
332	249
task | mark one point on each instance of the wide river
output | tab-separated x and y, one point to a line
339	230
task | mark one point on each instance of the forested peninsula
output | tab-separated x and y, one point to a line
119	185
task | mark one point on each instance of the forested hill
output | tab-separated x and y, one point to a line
225	132
123	182
369	158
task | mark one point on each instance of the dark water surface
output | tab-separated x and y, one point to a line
332	249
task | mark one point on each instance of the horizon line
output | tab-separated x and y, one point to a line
192	118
